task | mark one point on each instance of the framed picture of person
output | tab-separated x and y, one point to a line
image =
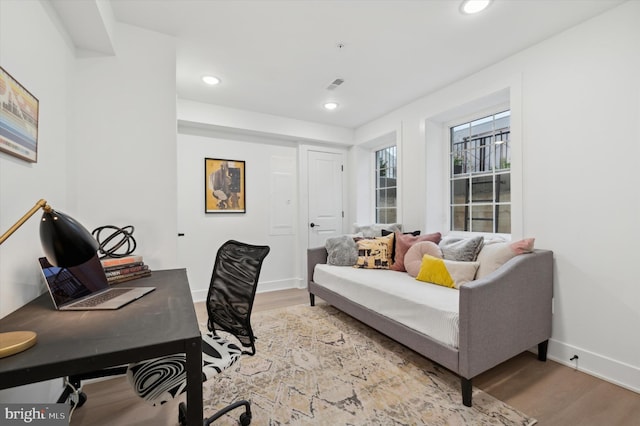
224	187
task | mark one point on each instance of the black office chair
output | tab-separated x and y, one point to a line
229	303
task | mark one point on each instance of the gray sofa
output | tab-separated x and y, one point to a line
500	315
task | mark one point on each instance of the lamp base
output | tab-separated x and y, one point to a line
14	342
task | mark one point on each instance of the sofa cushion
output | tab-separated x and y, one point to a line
341	251
404	242
413	258
375	230
462	250
374	253
447	273
493	256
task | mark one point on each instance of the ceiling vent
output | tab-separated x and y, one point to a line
335	83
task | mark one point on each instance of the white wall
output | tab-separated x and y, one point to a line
205	233
123	141
106	147
576	102
36	62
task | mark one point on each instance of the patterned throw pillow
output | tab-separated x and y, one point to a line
462	250
374	253
341	251
447	273
404	242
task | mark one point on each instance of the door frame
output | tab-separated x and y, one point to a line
303	196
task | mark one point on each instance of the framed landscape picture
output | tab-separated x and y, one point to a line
224	187
18	119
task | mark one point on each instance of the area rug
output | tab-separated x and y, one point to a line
318	366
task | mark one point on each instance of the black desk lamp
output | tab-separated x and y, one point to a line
65	243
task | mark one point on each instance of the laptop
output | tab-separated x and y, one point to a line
85	287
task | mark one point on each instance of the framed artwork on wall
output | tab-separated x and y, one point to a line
224	186
18	119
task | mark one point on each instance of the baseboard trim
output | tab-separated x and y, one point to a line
600	366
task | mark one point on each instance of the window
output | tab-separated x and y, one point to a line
386	185
480	179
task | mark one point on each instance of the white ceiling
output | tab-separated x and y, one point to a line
278	57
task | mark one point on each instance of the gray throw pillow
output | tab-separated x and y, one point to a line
341	251
375	230
464	250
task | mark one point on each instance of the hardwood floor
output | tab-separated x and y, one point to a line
554	394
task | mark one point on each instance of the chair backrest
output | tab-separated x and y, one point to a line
233	289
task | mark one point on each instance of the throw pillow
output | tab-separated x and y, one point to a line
465	250
447	273
493	256
404	242
413	258
374	253
395	240
375	230
341	251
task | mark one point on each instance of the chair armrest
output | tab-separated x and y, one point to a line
506	312
314	256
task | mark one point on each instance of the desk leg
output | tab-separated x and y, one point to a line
194	383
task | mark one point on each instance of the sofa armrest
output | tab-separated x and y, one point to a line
314	256
506	312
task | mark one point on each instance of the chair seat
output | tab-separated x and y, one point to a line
162	379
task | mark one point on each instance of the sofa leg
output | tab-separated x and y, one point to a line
312	299
542	350
466	391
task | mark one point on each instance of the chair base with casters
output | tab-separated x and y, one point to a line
162	379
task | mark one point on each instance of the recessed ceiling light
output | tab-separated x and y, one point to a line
211	80
331	105
474	6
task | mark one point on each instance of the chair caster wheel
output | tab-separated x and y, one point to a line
245	419
82	398
182	414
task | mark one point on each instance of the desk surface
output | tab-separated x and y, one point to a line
74	342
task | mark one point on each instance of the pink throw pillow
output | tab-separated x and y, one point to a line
413	258
523	246
404	243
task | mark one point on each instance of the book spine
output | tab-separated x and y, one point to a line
119	267
120	260
124	271
128	277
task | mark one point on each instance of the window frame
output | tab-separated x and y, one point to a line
449	178
376	177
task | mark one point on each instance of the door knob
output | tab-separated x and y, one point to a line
313	225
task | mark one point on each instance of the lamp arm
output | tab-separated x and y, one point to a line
41	204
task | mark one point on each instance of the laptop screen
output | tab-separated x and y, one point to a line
67	285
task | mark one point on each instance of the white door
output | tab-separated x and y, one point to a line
325	196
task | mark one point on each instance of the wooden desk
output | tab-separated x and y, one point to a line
162	322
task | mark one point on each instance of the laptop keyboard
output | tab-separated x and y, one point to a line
101	298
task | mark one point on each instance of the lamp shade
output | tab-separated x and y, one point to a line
64	240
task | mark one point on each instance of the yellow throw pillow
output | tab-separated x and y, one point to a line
447	273
374	253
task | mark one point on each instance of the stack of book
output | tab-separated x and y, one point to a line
121	269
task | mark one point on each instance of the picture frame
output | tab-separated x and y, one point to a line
224	186
18	119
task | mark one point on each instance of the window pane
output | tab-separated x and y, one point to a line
503	188
503	219
386	182
482	189
460	191
459	218
482	219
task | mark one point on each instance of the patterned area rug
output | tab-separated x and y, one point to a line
318	366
